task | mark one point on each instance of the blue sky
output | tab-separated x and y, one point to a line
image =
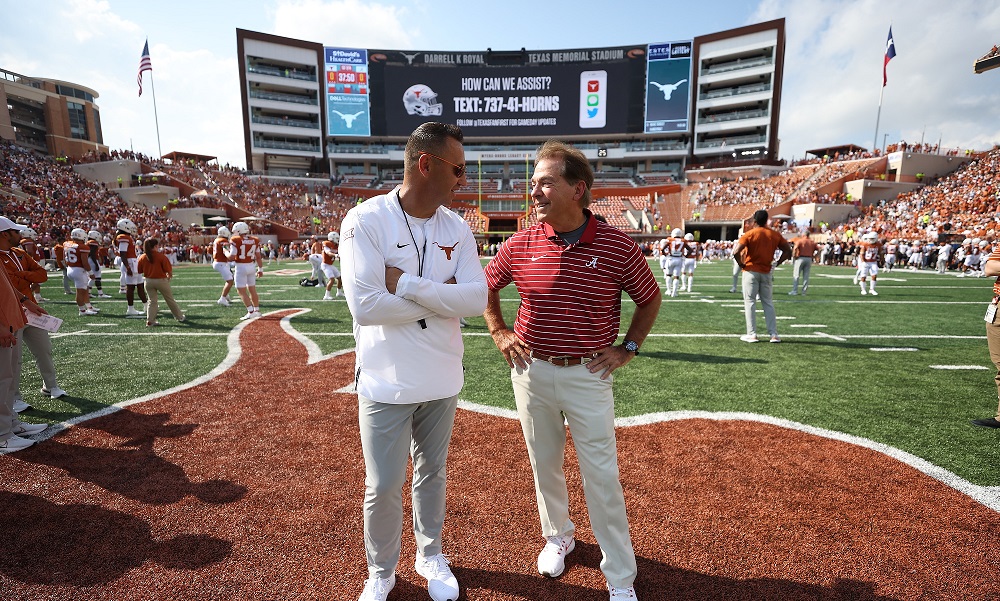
833	63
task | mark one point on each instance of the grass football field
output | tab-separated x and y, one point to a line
907	369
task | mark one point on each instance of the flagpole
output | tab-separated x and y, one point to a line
877	117
156	116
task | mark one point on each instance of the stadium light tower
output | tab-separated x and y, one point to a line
991	60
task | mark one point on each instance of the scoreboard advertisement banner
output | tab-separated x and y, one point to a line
527	93
347	92
668	87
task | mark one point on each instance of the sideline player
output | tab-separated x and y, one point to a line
330	247
691	252
131	278
244	251
868	254
98	254
76	254
220	263
675	260
315	258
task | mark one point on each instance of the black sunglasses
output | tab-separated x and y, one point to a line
459	169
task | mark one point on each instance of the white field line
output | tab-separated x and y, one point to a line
960	367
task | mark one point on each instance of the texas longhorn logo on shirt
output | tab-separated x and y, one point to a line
447	250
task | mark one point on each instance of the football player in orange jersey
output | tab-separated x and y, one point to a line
330	270
691	252
220	263
76	254
244	250
94	244
131	277
868	255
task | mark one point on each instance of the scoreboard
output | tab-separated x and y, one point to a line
573	92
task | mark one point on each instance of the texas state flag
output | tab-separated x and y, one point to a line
890	53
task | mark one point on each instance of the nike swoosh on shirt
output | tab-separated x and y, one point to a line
398	245
537	257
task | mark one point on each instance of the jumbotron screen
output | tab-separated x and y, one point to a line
529	93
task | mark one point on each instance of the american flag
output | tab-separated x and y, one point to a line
144	65
890	53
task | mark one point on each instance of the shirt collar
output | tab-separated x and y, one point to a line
588	234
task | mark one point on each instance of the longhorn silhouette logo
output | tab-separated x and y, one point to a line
447	250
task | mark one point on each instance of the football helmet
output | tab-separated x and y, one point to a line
677	233
29	233
333	237
421	100
224	231
94	235
126	225
870	237
240	228
78	234
689	237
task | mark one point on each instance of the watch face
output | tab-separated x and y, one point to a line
631	346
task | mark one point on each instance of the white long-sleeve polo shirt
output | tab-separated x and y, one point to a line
397	360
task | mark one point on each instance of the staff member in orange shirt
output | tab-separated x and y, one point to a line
803	251
754	252
156	269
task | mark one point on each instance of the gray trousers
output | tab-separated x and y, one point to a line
38	342
800	269
755	283
10	365
390	433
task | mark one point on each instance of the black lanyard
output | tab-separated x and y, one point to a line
420	257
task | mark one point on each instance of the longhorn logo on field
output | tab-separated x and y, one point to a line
447	250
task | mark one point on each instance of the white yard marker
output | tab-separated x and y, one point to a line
893	349
983	367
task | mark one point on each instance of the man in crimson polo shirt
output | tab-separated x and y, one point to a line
570	270
754	252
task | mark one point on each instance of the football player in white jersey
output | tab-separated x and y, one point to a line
675	260
868	254
691	252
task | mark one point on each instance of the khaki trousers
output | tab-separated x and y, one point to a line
161	285
993	341
544	393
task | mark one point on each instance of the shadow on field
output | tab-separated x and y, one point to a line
84	545
662	582
702	358
132	469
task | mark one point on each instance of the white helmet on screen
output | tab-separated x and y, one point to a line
677	233
224	231
333	237
78	234
127	226
421	100
241	229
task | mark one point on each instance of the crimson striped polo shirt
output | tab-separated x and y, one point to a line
571	294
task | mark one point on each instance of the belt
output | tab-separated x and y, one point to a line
561	360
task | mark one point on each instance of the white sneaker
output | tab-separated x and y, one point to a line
88	312
864	292
101	294
15	443
223	301
441	583
22	429
250	315
340	292
327	296
54	392
20	405
132	312
616	594
873	293
749	338
377	589
552	559
93	308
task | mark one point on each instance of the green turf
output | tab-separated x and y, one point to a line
822	376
